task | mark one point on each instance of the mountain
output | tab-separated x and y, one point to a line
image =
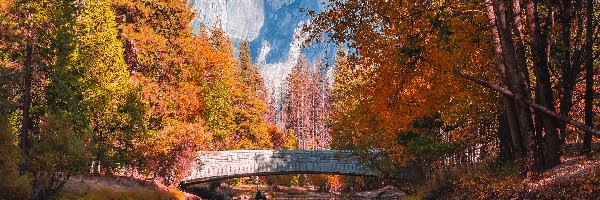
273	29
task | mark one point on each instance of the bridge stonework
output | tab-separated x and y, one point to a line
218	165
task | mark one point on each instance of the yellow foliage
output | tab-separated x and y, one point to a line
13	185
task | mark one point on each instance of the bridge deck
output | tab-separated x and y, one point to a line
219	165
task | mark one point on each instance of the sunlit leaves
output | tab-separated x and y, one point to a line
399	68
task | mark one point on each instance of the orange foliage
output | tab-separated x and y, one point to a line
172	67
401	68
335	183
277	136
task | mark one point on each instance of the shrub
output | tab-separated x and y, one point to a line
58	154
285	180
13	185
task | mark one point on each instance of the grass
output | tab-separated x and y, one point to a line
110	193
115	188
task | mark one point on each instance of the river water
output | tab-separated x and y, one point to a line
293	193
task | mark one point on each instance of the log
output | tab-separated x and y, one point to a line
538	107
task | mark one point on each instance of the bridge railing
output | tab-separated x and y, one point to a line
238	163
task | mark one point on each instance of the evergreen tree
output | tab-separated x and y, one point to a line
90	85
218	112
250	107
251	77
344	102
291	143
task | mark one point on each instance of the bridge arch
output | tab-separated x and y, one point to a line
219	165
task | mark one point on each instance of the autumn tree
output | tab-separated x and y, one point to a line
122	86
347	81
77	99
192	82
399	69
30	43
321	106
250	104
588	62
183	77
278	137
412	51
291	143
538	126
26	31
115	107
305	105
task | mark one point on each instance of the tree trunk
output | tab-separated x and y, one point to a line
517	26
589	78
544	95
519	88
519	43
570	63
507	154
25	134
509	106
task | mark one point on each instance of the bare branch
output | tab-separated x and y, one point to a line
538	107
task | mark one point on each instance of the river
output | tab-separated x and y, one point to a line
293	193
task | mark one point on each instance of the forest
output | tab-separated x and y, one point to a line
447	99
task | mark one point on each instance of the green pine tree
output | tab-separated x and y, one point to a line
290	141
250	107
90	85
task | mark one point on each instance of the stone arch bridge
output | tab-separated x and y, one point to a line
219	165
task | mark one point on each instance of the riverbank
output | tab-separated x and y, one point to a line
118	187
576	178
